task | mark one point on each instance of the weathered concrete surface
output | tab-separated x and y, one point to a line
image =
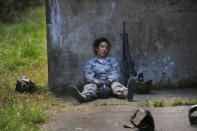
97	116
162	36
112	118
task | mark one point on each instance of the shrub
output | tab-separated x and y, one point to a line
11	9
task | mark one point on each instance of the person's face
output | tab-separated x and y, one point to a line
102	50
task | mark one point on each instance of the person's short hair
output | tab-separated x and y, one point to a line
98	41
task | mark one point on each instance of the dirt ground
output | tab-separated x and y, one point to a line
111	114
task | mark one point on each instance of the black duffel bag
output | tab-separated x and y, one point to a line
25	85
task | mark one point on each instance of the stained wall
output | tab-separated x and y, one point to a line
162	37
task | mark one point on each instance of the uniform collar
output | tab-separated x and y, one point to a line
102	61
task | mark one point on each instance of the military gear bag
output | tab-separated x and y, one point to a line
145	120
25	85
192	117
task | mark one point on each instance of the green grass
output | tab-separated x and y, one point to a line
23	52
24	43
162	103
179	102
158	103
21	117
153	103
111	102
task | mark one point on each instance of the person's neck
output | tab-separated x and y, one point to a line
101	57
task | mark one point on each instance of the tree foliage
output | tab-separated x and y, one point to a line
10	10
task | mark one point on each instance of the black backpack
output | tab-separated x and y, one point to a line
25	85
192	117
146	123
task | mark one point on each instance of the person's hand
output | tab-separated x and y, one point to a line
99	85
108	84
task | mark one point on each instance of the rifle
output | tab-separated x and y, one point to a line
127	64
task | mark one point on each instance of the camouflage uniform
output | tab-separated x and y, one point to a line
99	71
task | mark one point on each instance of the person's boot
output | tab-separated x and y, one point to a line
131	86
74	92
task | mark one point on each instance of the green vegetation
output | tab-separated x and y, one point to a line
161	103
24	43
11	10
147	103
21	117
23	52
153	103
158	103
179	102
111	102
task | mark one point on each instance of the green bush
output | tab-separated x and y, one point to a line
12	9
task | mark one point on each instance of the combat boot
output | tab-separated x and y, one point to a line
74	92
131	86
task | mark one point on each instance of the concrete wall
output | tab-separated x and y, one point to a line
162	37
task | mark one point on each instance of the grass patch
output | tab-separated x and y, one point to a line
145	104
21	117
174	102
179	102
153	103
158	103
23	52
23	43
111	102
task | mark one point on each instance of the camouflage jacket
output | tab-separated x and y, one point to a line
101	70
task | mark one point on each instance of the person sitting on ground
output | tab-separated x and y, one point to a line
102	70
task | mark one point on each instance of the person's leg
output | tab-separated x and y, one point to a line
119	90
74	92
89	92
131	85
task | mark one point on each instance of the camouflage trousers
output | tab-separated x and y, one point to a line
90	91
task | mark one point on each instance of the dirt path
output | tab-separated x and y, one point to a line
99	116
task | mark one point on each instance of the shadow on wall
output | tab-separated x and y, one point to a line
182	83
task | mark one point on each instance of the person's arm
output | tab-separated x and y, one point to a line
114	71
89	74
